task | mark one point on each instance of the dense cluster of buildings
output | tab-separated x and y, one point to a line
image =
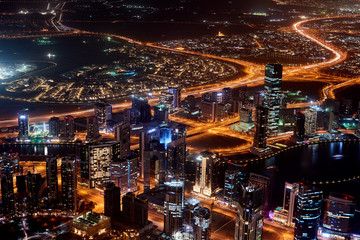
166	169
267	43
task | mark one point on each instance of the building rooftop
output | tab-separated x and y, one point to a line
90	219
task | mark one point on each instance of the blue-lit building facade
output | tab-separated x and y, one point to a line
308	206
23	122
338	215
164	145
234	176
272	95
176	92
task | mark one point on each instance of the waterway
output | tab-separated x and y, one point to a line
324	162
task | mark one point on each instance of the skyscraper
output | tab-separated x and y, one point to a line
68	183
143	108
272	95
249	218
98	159
310	122
261	123
152	150
161	113
112	200
54	127
23	121
300	126
131	116
103	112
92	128
33	184
175	158
202	220
52	180
176	92
189	104
190	204
208	110
207	179
135	210
338	216
122	135
264	183
7	187
290	192
226	95
307	212
167	99
245	121
333	121
123	173
69	127
173	207
234	176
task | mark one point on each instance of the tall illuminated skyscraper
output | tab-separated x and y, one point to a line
175	158
249	218
122	135
123	173
173	207
167	99
154	144
52	180
226	95
96	163
68	183
23	121
272	95
33	184
92	128
54	127
290	192
7	187
234	176
103	112
69	127
143	108
202	220
338	216
151	149
310	122
307	212
261	125
176	92
207	178
161	113
299	126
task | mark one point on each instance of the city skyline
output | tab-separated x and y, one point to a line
180	120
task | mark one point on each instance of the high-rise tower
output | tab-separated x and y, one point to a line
249	218
272	95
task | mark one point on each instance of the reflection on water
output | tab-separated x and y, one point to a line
318	162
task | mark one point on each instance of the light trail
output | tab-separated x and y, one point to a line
339	56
